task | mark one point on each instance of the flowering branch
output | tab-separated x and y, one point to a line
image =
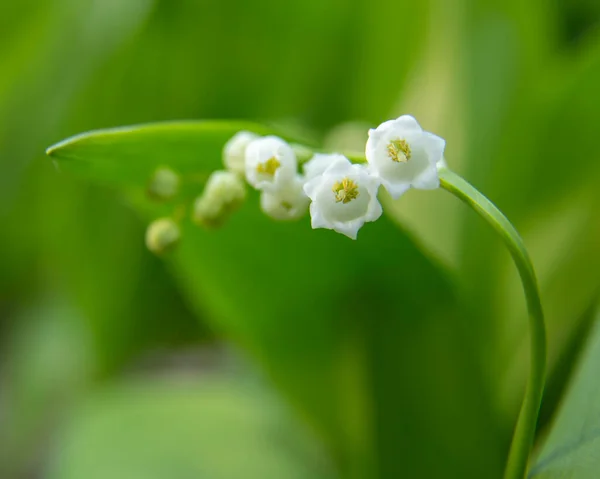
341	194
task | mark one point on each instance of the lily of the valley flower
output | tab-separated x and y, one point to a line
402	155
270	164
344	197
289	203
234	151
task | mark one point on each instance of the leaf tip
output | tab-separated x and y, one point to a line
54	150
60	149
51	150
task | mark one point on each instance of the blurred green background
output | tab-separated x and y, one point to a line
401	355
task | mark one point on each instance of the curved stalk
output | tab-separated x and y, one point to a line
522	441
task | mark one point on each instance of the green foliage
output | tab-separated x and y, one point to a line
330	319
222	427
571	449
51	338
398	382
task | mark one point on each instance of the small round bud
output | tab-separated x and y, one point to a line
288	204
164	184
162	235
223	194
234	151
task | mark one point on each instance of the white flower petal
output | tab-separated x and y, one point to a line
374	212
310	187
406	122
317	165
316	218
339	164
428	180
289	203
395	189
350	229
435	147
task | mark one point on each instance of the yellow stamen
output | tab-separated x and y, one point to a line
269	167
345	191
399	151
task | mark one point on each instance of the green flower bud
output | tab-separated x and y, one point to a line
223	194
162	235
164	184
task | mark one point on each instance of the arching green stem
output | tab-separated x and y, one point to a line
520	448
523	436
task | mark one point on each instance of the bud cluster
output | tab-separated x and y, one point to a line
340	195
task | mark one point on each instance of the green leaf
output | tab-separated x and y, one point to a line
571	449
354	333
566	364
129	156
214	428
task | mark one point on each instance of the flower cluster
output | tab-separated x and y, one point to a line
340	195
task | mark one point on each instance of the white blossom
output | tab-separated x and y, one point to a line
402	155
223	194
344	197
234	151
270	164
289	203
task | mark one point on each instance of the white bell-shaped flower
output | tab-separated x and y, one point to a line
270	164
402	155
234	151
289	203
344	197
